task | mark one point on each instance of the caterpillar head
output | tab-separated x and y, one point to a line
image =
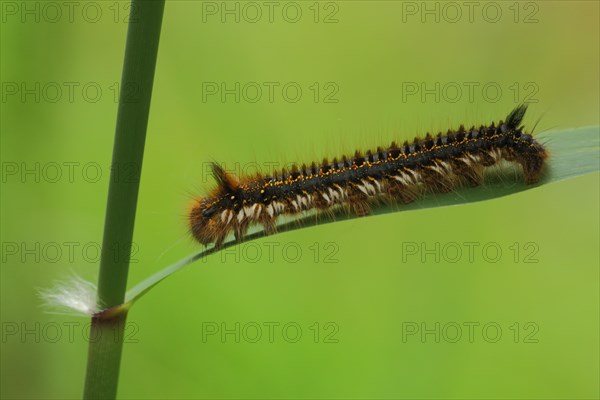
207	224
204	226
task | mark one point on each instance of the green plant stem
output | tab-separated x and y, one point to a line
106	339
104	357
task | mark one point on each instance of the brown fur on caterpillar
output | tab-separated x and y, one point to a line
397	173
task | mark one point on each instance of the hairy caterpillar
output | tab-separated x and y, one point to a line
396	174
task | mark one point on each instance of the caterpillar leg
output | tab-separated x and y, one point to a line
532	167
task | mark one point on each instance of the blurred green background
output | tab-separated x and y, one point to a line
358	290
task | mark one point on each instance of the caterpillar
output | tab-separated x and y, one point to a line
398	173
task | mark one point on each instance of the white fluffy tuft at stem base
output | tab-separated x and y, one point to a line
74	295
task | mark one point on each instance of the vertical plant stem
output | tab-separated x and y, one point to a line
106	338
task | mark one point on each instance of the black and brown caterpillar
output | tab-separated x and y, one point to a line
394	174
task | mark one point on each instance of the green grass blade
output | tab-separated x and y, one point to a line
573	153
104	352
